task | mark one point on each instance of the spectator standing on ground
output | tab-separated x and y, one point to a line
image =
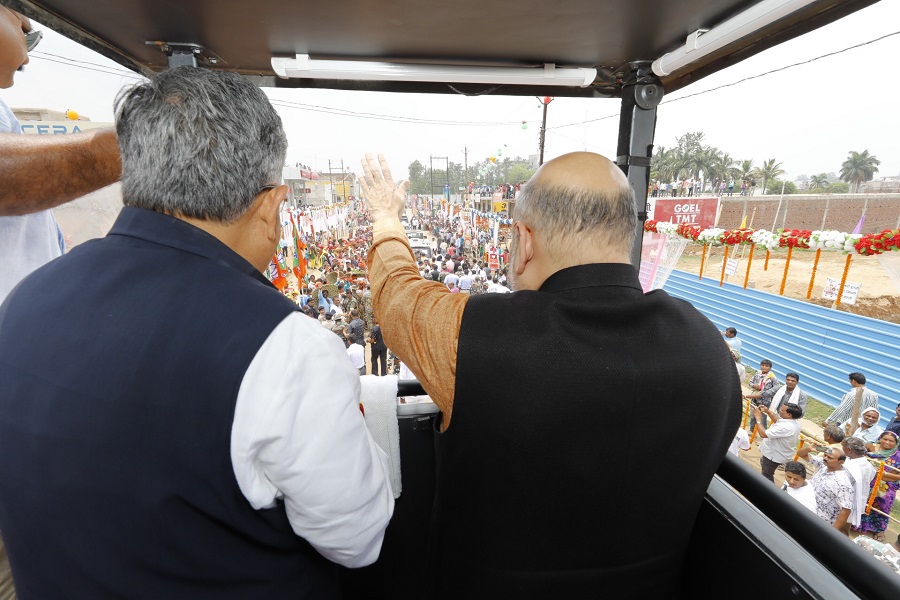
869	430
844	411
789	393
731	339
779	440
763	386
741	370
796	486
833	486
378	350
862	472
875	523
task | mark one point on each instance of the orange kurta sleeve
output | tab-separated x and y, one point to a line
419	318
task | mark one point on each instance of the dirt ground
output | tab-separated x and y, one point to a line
878	298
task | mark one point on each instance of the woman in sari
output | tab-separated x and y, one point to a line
886	450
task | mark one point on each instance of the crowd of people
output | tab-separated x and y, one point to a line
837	478
690	186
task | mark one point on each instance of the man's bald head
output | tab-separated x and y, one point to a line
580	204
582	170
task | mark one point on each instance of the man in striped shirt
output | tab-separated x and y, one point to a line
844	411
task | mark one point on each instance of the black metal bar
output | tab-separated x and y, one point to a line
410	387
833	550
637	124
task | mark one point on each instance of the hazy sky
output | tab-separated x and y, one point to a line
808	117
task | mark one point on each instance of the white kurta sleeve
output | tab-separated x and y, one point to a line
298	434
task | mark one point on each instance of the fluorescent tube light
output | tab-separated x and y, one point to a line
304	67
703	42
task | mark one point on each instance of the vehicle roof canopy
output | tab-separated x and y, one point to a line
610	35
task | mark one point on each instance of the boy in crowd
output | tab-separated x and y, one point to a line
796	486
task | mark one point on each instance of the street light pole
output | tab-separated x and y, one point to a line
547	100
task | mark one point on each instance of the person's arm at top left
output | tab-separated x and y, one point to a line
38	172
419	319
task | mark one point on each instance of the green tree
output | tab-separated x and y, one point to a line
770	169
859	167
774	187
746	170
520	173
417	181
818	182
838	187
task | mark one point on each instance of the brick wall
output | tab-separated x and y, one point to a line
801	211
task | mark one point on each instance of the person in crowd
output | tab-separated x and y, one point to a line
741	370
862	472
465	282
779	440
789	393
833	436
520	474
832	485
740	442
869	429
796	486
875	523
763	386
355	331
894	424
326	303
844	411
357	356
732	339
378	350
164	483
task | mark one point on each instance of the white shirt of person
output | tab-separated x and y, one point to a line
740	442
496	288
451	278
862	472
298	435
465	282
357	356
805	495
781	440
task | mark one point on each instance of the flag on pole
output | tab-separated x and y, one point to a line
744	223
858	228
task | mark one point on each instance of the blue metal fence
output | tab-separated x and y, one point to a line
821	344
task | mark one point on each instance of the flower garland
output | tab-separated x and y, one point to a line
868	244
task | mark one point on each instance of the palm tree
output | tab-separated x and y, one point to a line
770	169
746	169
859	167
818	182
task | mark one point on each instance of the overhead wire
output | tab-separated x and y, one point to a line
80	64
749	78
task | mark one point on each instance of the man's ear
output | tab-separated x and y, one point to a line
525	247
269	210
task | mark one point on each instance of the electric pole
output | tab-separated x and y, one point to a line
547	100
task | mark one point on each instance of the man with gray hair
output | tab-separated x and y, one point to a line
523	470
862	472
170	424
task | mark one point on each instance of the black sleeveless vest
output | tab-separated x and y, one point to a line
121	363
587	422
